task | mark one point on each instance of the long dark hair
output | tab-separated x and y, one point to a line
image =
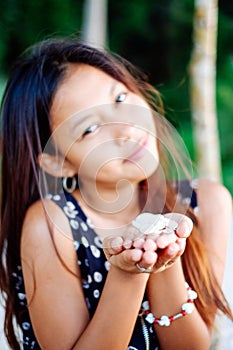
25	131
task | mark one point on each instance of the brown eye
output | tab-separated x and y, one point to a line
90	129
121	97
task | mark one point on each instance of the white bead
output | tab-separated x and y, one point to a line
192	294
150	318
164	321
188	308
179	315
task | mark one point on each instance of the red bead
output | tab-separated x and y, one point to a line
190	301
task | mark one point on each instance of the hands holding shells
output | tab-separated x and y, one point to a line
151	244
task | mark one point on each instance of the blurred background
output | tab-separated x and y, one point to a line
155	35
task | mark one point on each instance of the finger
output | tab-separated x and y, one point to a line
185	224
132	233
165	239
182	244
127	244
149	245
167	256
126	260
184	228
113	245
149	258
139	243
173	250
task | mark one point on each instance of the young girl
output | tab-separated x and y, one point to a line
86	263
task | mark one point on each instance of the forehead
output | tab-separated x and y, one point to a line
83	87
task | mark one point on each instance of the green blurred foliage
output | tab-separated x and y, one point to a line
23	23
154	35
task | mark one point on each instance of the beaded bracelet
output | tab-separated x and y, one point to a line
186	309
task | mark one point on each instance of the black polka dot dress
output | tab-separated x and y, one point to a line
94	268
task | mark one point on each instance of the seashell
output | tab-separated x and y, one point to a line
154	224
167	230
172	224
148	222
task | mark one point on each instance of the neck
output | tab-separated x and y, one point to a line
121	201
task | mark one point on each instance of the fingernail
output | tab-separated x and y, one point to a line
138	243
117	242
127	244
183	230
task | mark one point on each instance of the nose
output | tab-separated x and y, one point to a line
128	132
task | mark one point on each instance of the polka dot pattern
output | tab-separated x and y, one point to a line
94	269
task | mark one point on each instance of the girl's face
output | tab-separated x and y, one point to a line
105	132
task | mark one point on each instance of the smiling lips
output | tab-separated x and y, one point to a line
140	151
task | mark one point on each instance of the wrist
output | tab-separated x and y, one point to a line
166	320
128	276
169	272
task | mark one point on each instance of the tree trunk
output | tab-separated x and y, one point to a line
94	30
203	89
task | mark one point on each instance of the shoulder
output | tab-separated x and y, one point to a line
46	232
43	216
213	198
52	277
215	218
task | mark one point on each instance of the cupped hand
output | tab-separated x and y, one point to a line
171	246
124	253
149	251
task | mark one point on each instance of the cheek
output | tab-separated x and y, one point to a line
96	158
150	162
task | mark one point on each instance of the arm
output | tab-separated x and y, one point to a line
166	293
57	306
166	289
215	215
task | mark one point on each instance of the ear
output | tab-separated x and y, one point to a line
56	165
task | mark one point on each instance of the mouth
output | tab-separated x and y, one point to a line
139	152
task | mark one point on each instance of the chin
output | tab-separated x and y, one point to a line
143	172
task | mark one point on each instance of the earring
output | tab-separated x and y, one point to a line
69	184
